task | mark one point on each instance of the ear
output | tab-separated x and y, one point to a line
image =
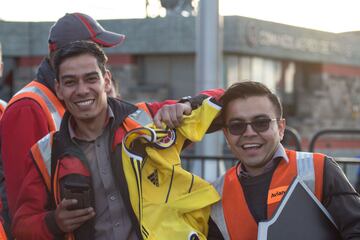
281	127
107	78
58	90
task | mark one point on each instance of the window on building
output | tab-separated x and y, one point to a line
278	75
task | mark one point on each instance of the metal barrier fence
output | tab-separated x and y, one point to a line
323	132
230	161
343	145
291	140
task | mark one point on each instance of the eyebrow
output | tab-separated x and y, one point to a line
253	118
86	75
92	73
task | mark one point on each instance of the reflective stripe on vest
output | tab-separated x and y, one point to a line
306	171
141	117
50	104
217	211
3	105
41	152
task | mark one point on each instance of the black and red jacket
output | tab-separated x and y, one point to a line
34	217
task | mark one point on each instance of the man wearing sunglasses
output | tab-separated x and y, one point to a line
252	190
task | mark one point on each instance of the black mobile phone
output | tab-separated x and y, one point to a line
80	192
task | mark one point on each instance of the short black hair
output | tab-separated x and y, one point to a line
250	89
79	48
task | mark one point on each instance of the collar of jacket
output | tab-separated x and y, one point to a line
46	75
62	139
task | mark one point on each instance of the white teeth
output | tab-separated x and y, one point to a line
85	103
251	145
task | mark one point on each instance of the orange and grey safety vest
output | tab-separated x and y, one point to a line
232	215
2	107
42	150
50	104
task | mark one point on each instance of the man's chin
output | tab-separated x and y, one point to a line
86	117
257	162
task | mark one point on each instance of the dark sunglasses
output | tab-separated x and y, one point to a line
258	125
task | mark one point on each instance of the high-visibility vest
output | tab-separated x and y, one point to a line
169	202
50	104
42	151
2	107
232	215
2	233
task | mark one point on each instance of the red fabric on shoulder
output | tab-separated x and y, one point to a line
22	125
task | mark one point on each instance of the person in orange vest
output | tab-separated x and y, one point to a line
253	126
35	110
78	185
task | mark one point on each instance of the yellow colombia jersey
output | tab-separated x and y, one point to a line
169	202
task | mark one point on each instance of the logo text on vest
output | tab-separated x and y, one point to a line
276	194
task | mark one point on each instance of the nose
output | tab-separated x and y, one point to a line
249	131
82	88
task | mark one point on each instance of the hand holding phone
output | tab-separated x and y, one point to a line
69	221
80	192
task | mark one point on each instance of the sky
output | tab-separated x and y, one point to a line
325	15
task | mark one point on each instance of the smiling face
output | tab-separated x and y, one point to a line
82	86
253	149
